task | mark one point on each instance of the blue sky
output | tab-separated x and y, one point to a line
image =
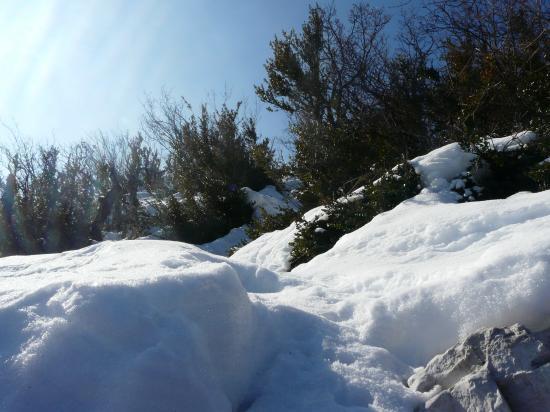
70	68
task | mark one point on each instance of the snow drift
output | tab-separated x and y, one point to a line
130	325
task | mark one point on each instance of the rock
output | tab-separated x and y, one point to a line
475	392
528	390
494	369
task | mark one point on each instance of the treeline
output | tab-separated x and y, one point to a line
57	199
54	200
358	103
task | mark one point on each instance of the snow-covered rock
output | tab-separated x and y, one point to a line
495	369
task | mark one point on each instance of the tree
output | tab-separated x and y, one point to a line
211	156
328	78
494	58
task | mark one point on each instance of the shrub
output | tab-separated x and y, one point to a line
210	156
502	173
268	223
352	212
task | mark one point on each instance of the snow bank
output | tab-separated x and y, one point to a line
422	276
156	325
129	325
406	286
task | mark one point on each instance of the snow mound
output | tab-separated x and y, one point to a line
129	325
441	165
422	276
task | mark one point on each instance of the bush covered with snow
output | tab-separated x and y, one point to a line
345	215
509	165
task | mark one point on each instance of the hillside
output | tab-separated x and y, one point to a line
159	325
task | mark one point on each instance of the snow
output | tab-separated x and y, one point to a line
424	275
268	200
272	250
224	244
440	171
129	325
512	142
441	166
437	169
157	325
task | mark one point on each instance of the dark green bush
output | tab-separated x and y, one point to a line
345	216
505	172
268	223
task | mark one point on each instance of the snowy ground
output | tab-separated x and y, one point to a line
156	325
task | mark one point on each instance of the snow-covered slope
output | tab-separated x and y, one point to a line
418	278
438	170
141	325
157	325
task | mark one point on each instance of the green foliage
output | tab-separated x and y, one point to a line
211	156
326	77
350	213
268	223
505	172
494	64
